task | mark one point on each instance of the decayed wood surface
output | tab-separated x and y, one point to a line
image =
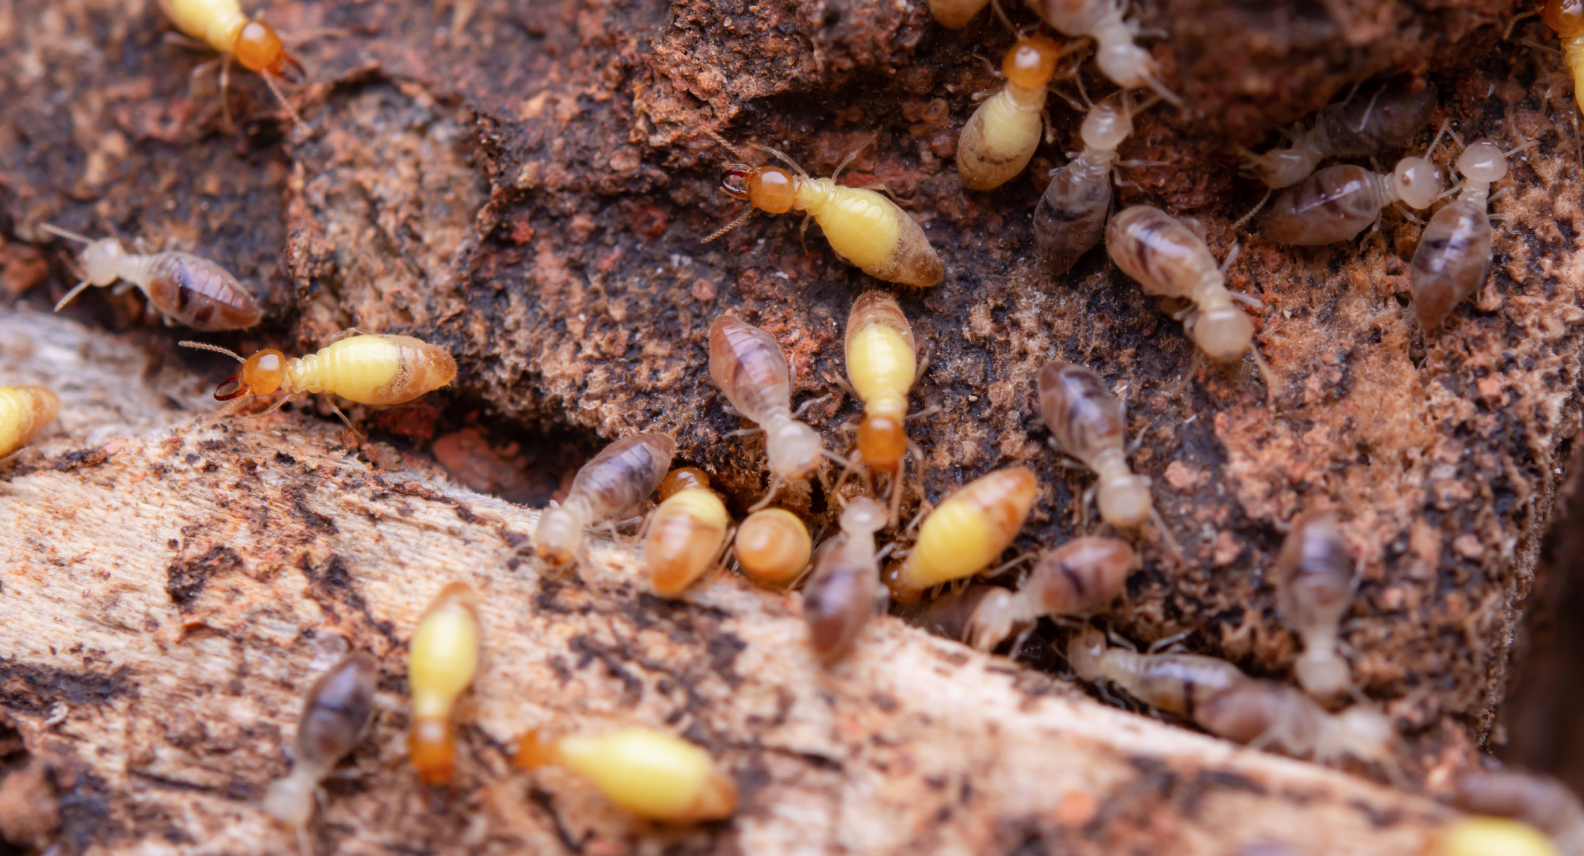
169	590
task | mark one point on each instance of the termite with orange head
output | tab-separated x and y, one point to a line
24	411
443	658
335	716
1566	19
882	365
1359	127
1314	583
866	229
1071	214
221	26
187	289
845	586
965	533
1125	63
748	366
613	482
650	773
1086	423
773	546
1001	136
685	534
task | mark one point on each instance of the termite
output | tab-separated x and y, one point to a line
685	535
748	366
1491	836
187	289
443	659
866	229
1540	801
1338	202
1356	128
1079	578
1001	136
1125	63
1314	583
965	533
842	592
649	773
335	716
613	482
1454	250
221	25
882	365
955	14
773	546
24	411
1175	683
1071	214
1566	19
1087	424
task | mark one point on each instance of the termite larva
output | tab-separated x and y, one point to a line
334	717
221	25
1491	836
1338	202
882	364
1354	129
841	593
1003	133
1071	215
649	773
187	289
613	482
965	533
24	411
443	659
1540	801
1125	63
366	368
685	534
1566	19
865	228
773	546
1169	260
1314	582
1086	423
748	366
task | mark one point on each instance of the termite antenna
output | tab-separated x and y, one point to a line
1252	211
854	153
269	80
1436	140
205	346
64	233
730	226
789	161
76	290
727	146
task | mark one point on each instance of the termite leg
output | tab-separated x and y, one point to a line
1163	644
775	487
928	411
803	408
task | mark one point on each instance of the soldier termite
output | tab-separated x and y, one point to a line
1566	19
1081	577
748	366
773	546
187	289
866	229
882	365
1003	133
1454	251
443	659
649	773
613	482
1540	801
685	535
1314	583
842	592
965	533
1125	63
1356	128
220	25
334	717
1086	423
1071	214
1491	836
24	411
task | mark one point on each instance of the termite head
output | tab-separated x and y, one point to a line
771	189
863	516
259	48
1031	62
1106	127
558	537
432	749
683	478
537	749
1482	161
1365	733
1125	500
291	800
1417	181
102	261
794	450
261	374
1084	651
1322	673
882	436
1280	168
1565	17
1224	332
1126	64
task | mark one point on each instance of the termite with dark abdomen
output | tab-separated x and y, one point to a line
965	533
1279	718
615	481
1125	63
443	659
1176	683
1086	422
748	366
685	534
647	772
1359	127
334	717
24	411
1071	215
1566	19
866	229
882	364
773	546
187	289
1003	133
1338	202
1314	581
221	26
841	594
1540	801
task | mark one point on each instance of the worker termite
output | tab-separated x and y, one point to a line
866	229
334	717
649	773
1086	423
1125	63
1001	136
685	535
882	365
187	289
1353	129
748	366
1071	214
613	482
1454	250
1175	683
221	25
443	659
1081	577
1540	801
1566	19
1338	202
24	411
1491	836
1314	582
773	546
842	592
965	533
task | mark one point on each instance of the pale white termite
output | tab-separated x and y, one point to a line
748	366
614	481
1071	214
843	590
1314	584
1125	63
335	715
1086	422
1356	128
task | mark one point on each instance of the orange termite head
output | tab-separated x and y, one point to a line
882	438
536	749
771	189
261	374
1031	62
259	48
683	478
1565	17
432	749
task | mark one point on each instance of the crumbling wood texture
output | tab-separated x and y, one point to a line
168	600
